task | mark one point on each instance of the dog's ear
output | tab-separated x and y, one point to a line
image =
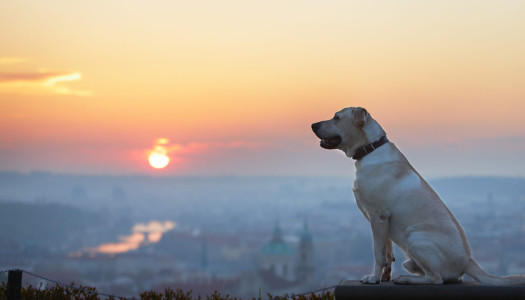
360	116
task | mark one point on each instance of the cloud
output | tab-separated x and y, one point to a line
42	82
28	77
163	141
163	146
196	147
201	156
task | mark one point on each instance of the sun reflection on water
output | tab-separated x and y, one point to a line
142	234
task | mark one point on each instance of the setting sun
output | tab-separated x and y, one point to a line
158	158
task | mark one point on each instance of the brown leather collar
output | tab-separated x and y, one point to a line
367	149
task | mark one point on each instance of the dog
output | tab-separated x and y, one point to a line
401	208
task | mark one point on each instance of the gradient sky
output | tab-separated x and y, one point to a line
89	87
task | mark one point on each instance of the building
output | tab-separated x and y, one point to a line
305	271
283	268
278	257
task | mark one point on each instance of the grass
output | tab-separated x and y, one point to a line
89	293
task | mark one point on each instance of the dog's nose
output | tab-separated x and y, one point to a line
315	126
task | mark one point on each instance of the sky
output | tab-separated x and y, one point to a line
232	87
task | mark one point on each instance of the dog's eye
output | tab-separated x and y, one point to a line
336	117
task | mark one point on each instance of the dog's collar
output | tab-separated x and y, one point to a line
367	149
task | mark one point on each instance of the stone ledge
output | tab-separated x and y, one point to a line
353	289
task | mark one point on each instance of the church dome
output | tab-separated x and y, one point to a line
277	246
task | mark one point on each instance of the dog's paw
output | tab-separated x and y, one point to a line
401	279
370	279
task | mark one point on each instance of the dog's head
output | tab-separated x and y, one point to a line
349	130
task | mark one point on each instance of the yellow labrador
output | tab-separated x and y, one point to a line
401	207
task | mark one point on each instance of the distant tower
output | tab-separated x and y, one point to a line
305	266
278	256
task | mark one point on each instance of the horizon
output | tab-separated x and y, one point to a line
233	176
232	88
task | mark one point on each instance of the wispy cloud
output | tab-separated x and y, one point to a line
166	147
39	82
199	147
43	82
186	154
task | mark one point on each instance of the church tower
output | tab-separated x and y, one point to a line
305	265
278	257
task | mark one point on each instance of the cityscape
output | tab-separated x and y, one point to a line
243	236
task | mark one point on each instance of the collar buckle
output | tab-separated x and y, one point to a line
367	149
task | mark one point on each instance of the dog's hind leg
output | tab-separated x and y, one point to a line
411	267
423	262
380	227
423	276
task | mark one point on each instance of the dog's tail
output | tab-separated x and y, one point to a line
474	270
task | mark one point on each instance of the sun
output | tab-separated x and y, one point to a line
158	158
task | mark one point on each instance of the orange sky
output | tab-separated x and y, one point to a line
89	87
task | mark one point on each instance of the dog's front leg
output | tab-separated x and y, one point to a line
380	226
387	270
